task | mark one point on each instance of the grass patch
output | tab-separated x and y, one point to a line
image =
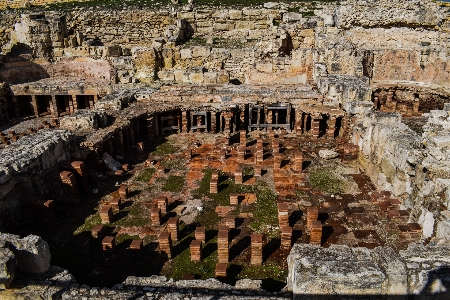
265	213
120	238
174	184
269	269
165	149
89	222
175	164
326	180
145	175
137	216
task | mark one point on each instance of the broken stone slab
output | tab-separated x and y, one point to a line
32	252
248	284
8	264
328	154
110	162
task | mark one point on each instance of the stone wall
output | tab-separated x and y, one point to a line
341	271
414	168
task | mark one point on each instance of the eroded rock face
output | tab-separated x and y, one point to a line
32	252
8	264
341	270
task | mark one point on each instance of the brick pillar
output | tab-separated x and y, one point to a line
75	103
184	122
162	204
416	105
230	221
298	121
312	213
54	107
222	246
376	102
172	227
221	270
95	98
91	102
16	105
81	171
200	234
243	138
196	250
257	249
70	187
165	243
35	105
283	214
331	128
213	186
123	191
286	237
315	126
234	198
315	236
71	105
155	216
213	122
305	122
298	161
238	177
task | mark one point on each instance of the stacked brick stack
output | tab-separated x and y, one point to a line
136	247
276	160
234	198
286	237
411	232
196	250
257	249
230	221
222	246
238	177
221	270
123	192
97	231
109	243
106	214
213	186
155	215
200	234
257	170
165	243
162	204
298	161
275	146
315	128
172	227
81	171
312	214
70	187
241	152
283	214
315	236
243	138
116	203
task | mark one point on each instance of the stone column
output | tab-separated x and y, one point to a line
54	107
91	102
213	122
184	122
305	122
316	126
71	106
298	121
75	103
35	105
95	98
16	106
331	128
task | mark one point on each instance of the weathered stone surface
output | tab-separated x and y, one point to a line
328	154
32	252
8	264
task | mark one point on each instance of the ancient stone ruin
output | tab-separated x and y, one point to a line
242	150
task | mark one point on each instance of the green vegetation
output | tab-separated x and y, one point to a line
145	175
175	163
120	238
326	180
174	184
265	212
165	149
90	222
134	215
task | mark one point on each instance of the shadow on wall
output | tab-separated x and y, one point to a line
19	68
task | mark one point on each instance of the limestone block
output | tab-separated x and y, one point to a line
203	14
186	53
181	76
32	252
235	14
186	15
264	67
210	77
291	17
328	154
201	51
168	57
8	264
443	226
196	77
245	25
84	119
110	162
205	30
223	26
252	12
223	77
166	75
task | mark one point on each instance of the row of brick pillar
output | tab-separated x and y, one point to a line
71	104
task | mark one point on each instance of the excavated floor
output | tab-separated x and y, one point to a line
180	168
